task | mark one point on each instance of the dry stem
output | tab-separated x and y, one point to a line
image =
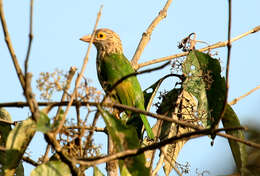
81	72
216	45
147	35
243	96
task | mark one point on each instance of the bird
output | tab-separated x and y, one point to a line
112	65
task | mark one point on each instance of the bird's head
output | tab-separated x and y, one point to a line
106	41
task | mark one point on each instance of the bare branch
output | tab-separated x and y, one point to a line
72	71
216	45
249	143
121	106
10	46
133	152
147	35
81	72
170	162
243	96
30	161
30	39
216	123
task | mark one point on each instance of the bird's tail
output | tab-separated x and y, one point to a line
138	120
147	126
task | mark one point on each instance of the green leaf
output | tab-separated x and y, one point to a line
125	137
58	120
204	81
43	123
238	149
167	107
52	168
16	144
4	127
153	89
97	172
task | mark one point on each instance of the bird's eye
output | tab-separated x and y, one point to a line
101	35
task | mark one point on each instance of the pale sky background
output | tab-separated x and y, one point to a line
59	24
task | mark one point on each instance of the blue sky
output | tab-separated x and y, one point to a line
59	24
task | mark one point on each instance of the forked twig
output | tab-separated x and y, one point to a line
147	35
80	74
216	45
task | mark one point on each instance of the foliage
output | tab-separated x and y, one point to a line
192	107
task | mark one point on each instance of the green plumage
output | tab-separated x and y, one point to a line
112	65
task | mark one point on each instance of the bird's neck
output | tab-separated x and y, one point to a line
109	49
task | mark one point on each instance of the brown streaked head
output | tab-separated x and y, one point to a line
106	41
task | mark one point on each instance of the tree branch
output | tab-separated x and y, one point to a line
216	123
147	35
62	121
133	152
243	96
216	45
116	105
30	39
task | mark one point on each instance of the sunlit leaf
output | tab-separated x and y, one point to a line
180	105
204	81
4	127
52	168
97	172
151	91
238	149
17	142
43	123
125	137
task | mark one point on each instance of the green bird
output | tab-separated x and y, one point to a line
112	65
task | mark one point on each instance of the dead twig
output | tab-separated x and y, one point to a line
215	124
147	35
62	121
30	39
216	45
243	96
133	152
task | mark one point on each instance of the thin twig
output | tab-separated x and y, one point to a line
158	166
62	121
30	39
72	72
249	143
134	152
30	161
45	156
97	129
50	139
169	161
147	35
243	96
10	47
216	45
216	123
116	105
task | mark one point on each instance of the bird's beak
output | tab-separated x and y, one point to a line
86	38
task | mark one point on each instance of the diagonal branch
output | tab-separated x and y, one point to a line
243	96
229	45
147	35
10	46
133	152
81	73
30	39
216	45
